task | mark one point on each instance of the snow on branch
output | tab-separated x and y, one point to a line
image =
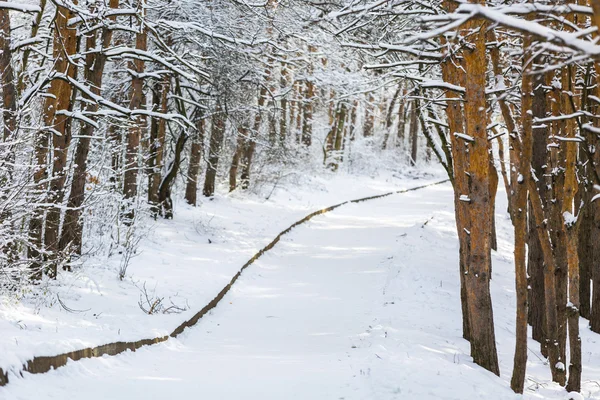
500	16
26	8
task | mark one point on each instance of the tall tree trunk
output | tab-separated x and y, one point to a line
482	338
535	256
71	237
401	121
595	311
307	114
250	145
595	207
237	155
283	121
570	226
164	192
452	73
389	117
9	95
214	149
191	189
57	105
414	132
134	134
586	259
9	116
369	120
519	219
157	145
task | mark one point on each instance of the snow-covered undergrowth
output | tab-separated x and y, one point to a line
176	268
361	303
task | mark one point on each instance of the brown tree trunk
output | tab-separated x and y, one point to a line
250	145
283	121
57	105
535	256
214	149
71	237
586	255
519	219
157	145
482	338
307	112
451	73
135	132
570	227
369	120
595	311
401	122
9	99
389	118
191	189
414	132
165	201
237	155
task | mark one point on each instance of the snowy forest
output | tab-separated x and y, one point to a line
299	199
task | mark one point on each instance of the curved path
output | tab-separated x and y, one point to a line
359	303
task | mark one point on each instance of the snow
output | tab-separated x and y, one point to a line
19	7
569	218
186	261
360	303
464	136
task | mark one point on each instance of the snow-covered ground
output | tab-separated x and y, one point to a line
360	303
186	262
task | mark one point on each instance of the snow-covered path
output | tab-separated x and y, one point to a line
360	303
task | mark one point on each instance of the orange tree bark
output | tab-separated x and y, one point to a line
519	217
478	269
453	74
9	99
57	135
570	226
71	236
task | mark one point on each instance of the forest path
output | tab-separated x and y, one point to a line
360	303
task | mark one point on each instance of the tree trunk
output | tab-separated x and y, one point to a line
482	338
535	255
369	121
9	99
164	192
451	73
307	112
519	218
414	132
586	255
191	189
400	135
389	118
570	227
157	145
57	105
71	237
217	134
135	131
237	155
250	144
595	312
283	123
